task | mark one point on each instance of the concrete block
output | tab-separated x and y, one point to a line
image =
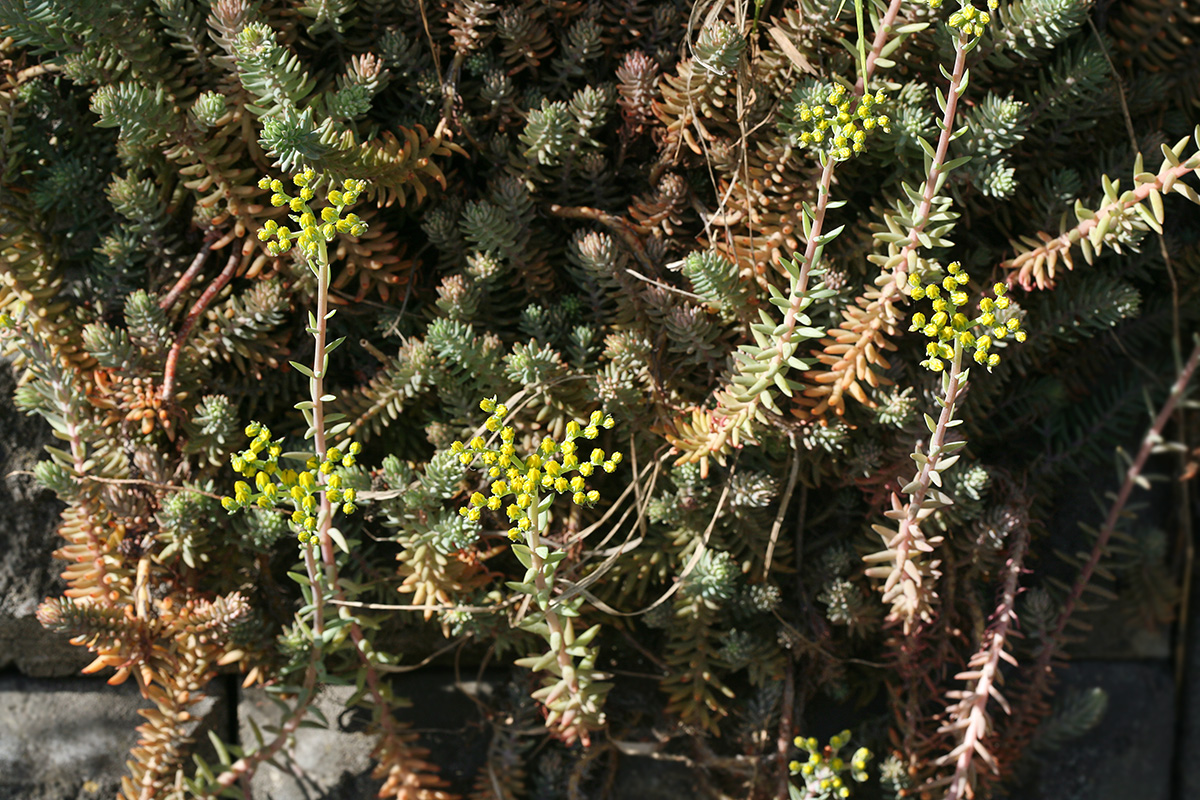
69	738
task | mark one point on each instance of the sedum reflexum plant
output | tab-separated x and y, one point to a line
314	493
720	230
909	572
572	691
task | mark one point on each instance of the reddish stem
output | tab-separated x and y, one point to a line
986	675
881	34
1043	670
185	280
168	384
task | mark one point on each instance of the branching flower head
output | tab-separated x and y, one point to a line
834	126
298	489
969	20
824	771
315	231
951	331
517	483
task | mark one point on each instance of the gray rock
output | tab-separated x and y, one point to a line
28	573
65	738
336	762
69	738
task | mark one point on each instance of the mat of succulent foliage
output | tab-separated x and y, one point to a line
853	287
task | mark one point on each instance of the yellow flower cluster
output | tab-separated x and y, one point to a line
517	482
835	126
824	769
313	232
949	328
301	490
971	20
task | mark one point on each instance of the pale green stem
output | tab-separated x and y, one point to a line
552	620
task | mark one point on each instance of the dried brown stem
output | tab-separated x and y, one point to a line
783	742
1132	474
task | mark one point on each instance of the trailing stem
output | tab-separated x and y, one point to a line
1030	704
907	580
969	715
1036	266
